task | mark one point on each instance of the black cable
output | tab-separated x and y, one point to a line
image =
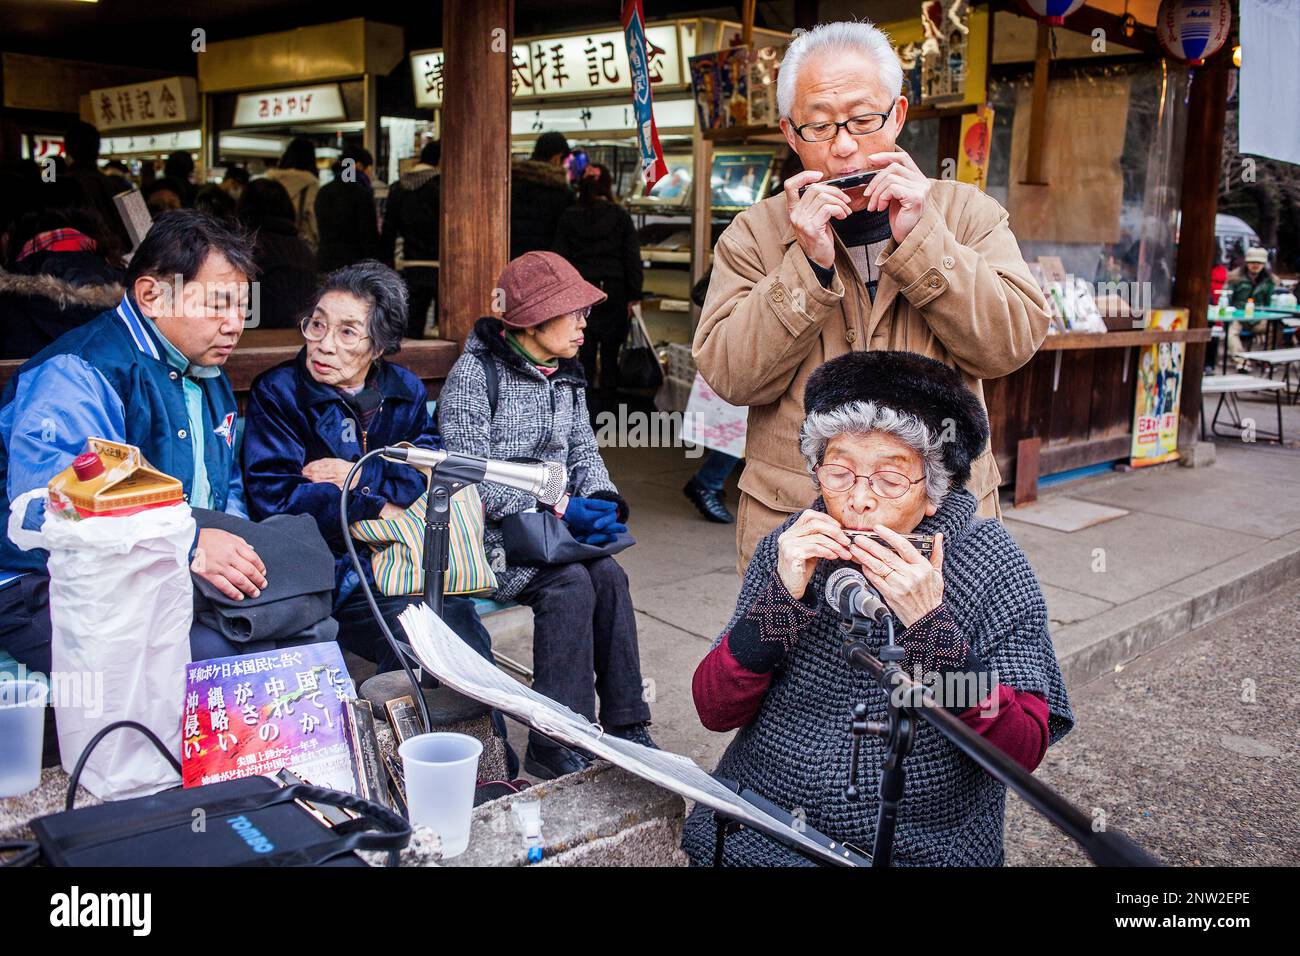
370	596
73	780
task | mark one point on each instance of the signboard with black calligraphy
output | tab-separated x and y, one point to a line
156	103
591	63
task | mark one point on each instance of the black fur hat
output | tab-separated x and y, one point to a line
911	383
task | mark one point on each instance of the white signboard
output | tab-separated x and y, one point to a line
580	118
308	104
594	63
156	103
183	139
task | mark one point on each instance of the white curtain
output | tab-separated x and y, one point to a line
1270	79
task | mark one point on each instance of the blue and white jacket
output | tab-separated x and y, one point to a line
111	379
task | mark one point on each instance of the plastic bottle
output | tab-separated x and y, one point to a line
1250	308
1223	303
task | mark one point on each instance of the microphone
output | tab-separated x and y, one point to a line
544	480
848	592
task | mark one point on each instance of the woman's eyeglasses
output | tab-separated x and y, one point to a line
885	484
347	336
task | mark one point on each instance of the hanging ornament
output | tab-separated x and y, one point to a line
1051	12
1192	30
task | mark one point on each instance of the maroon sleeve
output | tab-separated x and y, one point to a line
726	694
1018	726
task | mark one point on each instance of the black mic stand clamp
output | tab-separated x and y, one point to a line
898	731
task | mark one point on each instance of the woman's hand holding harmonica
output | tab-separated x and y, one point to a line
910	584
813	536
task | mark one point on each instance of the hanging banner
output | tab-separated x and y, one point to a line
1159	388
973	156
652	155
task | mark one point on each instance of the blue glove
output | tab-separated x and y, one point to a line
585	515
602	535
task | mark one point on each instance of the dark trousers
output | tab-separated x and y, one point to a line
604	335
360	633
423	287
583	624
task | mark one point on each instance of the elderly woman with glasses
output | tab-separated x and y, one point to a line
888	438
311	418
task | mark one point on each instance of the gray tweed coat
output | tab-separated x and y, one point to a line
537	417
795	751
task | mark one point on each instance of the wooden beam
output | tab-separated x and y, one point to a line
1027	471
1038	108
1202	154
475	235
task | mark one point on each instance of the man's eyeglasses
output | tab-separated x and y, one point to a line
885	484
824	131
347	336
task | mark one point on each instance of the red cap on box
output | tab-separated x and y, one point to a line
88	465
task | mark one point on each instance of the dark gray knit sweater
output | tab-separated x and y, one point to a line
795	751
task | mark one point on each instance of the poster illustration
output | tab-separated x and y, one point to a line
1159	387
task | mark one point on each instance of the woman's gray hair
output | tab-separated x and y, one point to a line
860	36
862	418
384	291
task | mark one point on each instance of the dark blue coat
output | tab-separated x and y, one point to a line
292	419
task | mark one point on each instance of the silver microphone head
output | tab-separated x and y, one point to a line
839	581
552	490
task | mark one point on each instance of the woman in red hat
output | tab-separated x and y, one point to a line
534	406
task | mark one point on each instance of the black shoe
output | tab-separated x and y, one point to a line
637	733
709	503
554	761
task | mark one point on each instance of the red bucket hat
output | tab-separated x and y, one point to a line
539	286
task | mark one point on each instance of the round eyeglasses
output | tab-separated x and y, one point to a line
823	131
347	336
885	484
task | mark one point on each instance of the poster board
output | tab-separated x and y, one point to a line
1159	390
1083	143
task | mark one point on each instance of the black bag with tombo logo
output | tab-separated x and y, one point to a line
251	821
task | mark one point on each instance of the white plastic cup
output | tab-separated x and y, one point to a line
22	734
441	771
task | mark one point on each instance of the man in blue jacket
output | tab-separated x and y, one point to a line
147	373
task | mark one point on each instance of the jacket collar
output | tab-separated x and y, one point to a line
149	340
488	333
312	392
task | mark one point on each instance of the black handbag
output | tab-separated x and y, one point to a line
251	821
542	537
638	365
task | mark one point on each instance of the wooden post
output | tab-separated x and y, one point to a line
1202	156
1038	108
475	235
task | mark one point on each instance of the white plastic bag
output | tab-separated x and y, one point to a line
121	605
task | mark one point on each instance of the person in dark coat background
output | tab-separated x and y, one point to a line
81	142
66	268
285	262
599	238
180	167
414	214
345	213
539	192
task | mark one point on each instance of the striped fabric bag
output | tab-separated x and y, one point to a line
397	546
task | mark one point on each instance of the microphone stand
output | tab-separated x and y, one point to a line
898	730
909	702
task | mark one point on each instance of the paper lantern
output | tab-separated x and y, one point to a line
1191	30
1051	12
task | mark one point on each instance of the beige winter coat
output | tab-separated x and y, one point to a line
956	289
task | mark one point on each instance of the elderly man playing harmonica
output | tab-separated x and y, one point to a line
907	262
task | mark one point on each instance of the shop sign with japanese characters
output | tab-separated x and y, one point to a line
156	103
310	104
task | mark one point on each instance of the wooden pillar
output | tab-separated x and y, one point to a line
1038	107
475	236
1202	158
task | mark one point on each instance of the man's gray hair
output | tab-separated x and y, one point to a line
859	36
862	418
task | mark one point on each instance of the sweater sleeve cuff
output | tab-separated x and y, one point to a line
824	276
936	646
768	628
